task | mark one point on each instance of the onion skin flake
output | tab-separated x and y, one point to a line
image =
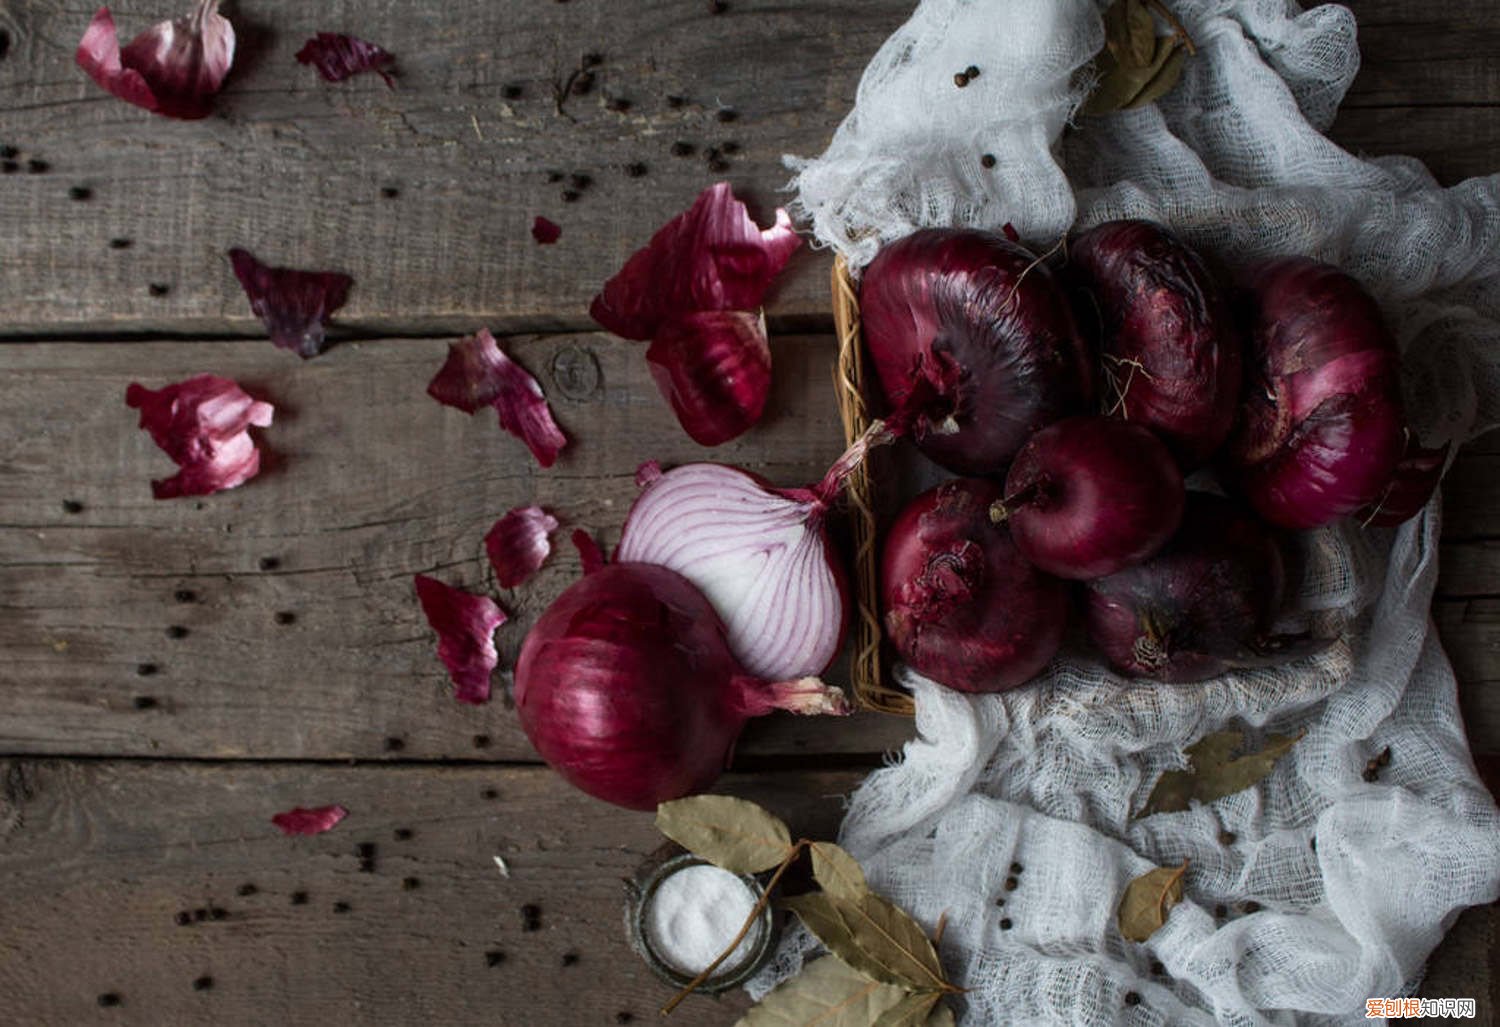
174	68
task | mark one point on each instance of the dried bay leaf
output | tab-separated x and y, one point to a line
837	872
1136	67
826	993
1213	774
942	1016
912	1011
735	834
1166	76
1130	32
874	936
1148	899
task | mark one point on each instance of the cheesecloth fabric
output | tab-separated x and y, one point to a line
1333	889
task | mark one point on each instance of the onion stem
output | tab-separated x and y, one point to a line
1001	509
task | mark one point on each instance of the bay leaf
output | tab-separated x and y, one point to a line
912	1011
826	993
1167	75
1148	899
942	1016
1212	772
1130	32
837	872
874	936
735	834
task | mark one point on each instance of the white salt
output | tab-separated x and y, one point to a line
695	913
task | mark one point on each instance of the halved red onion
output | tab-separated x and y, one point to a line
759	554
337	57
202	424
545	231
714	367
1321	424
174	68
518	544
1412	484
294	305
478	373
309	821
466	625
589	552
711	257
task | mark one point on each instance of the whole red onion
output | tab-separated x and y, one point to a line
627	688
961	605
1321	426
979	327
1089	496
1171	360
1201	606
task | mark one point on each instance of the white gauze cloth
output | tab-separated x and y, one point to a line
1356	882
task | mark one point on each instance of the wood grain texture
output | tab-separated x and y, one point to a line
98	859
297	169
370	482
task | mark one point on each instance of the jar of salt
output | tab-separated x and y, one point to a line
687	911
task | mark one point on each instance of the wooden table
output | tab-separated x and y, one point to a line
176	672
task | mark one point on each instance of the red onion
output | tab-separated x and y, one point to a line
1089	496
1321	425
627	688
961	605
759	553
1201	606
714	367
1171	358
979	322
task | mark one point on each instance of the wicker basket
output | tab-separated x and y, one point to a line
867	671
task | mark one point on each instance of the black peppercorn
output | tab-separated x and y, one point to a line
1220	912
1011	884
144	702
960	80
72	506
727	114
121	243
145	670
203	983
624	1017
183	595
489	793
286	617
1016	868
531	917
1227	837
183	918
389	192
987	161
578	180
158	289
341	907
80	193
971	72
108	999
1005	924
570	195
9	167
403	834
494	957
1132	999
481	741
676	102
394	745
618	104
38	167
512	91
218	913
570	959
410	884
245	890
682	149
635	170
177	631
299	898
269	563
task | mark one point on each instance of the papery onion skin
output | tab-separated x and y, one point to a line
1203	605
1412	484
706	520
960	603
627	688
175	68
983	323
1171	358
1089	496
1321	426
714	368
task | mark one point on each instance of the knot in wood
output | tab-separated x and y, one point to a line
575	370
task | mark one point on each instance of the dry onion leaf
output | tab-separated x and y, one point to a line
465	625
545	231
293	305
589	553
478	373
337	57
518	544
1148	899
309	821
714	368
732	833
1213	774
203	425
174	68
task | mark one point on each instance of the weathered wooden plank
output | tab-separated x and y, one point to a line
1471	636
1471	491
301	636
1467	964
99	858
299	170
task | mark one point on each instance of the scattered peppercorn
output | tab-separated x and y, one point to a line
144	702
593	60
1000	903
960	80
624	1017
9	152
618	104
635	170
1005	924
9	167
531	917
389	192
80	193
1016	868
570	959
489	793
1251	906
403	834
971	72
299	898
1156	968
218	913
341	907
200	915
394	745
177	631
512	91
582	83
554	176
1384	758
410	884
718	164
1011	884
246	890
203	983
108	999
121	243
730	147
570	195
1132	999
184	595
1227	837
183	918
727	114
269	563
1220	912
676	102
717	6
285	617
145	670
1312	843
365	850
578	180
158	289
72	506
494	957
38	167
682	149
987	161
481	741
4	42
